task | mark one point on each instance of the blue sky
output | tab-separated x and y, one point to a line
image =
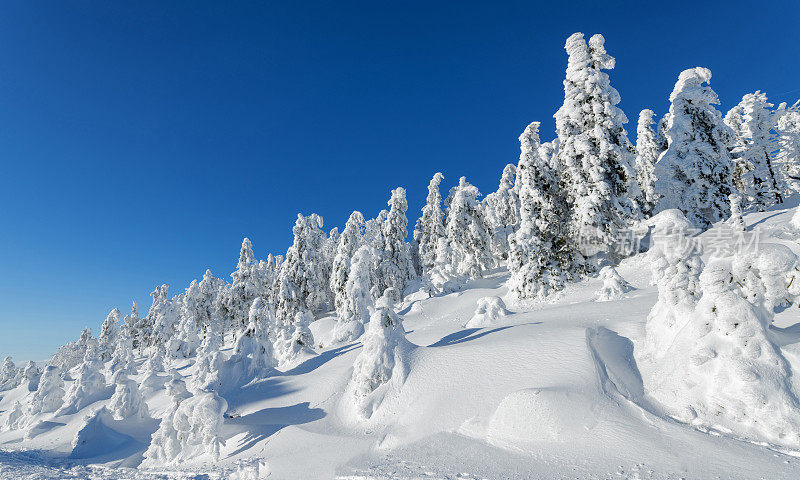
140	141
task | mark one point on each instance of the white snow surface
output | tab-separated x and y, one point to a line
550	390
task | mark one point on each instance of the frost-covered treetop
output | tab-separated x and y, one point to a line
690	85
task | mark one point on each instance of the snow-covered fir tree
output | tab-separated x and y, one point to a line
151	379
467	232
735	220
108	334
190	430
354	310
31	375
127	401
675	266
384	358
9	374
163	318
647	152
695	172
89	386
594	151
429	227
725	372
134	324
349	241
501	212
253	355
244	288
301	284
49	395
753	123
541	256
396	267
788	158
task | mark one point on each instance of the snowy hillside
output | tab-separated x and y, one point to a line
550	390
610	311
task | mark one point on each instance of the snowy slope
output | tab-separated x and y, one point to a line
551	391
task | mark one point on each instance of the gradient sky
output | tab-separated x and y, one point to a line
140	141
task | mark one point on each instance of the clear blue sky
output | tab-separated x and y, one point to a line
140	141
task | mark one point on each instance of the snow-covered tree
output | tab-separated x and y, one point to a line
501	212
788	158
647	152
349	241
163	318
694	173
253	355
541	256
301	283
108	335
89	386
466	231
675	266
354	310
31	375
134	324
444	276
735	220
151	380
384	358
724	371
614	286
753	122
429	228
127	401
209	364
9	374
14	417
49	396
191	429
245	287
594	151
396	267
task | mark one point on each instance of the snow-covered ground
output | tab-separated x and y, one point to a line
547	391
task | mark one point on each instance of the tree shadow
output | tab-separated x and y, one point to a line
469	334
750	227
315	362
264	423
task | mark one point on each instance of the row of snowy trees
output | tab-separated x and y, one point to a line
558	214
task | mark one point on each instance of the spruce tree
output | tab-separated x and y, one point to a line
396	267
466	231
694	174
594	150
108	335
429	228
349	241
541	257
647	152
753	123
501	212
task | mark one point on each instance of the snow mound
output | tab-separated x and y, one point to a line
96	439
536	415
489	311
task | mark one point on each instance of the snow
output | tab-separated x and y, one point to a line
560	396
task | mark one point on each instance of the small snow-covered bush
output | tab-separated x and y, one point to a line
152	381
489	311
614	286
